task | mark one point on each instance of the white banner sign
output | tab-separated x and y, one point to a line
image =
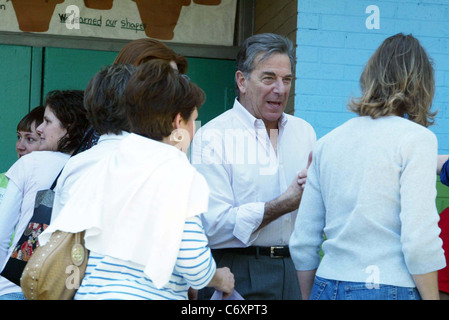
184	21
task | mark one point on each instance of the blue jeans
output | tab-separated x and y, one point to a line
325	289
13	296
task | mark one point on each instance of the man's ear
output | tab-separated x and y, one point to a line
241	81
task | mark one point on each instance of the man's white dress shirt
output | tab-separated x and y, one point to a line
233	152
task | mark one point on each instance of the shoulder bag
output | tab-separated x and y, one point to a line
56	269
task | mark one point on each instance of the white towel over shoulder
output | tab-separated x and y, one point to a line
133	205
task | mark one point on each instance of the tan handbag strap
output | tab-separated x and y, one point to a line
78	238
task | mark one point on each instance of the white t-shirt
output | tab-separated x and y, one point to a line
144	192
3	185
31	173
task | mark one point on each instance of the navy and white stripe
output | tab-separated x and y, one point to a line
110	278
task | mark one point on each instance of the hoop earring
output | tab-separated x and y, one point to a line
175	137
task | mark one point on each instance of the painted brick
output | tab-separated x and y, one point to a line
352	72
446	78
327	88
321	7
330	103
443	145
345	56
321	71
343	23
422	12
323	38
334	46
306	53
441	94
308	21
362	40
353	8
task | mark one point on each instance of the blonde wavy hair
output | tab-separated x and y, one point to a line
397	80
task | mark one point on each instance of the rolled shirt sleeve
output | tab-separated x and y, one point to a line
227	224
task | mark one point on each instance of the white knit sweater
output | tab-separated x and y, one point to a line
371	189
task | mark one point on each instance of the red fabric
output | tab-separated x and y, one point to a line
443	274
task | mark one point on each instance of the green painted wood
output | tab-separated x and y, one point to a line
71	69
15	71
40	70
36	77
216	78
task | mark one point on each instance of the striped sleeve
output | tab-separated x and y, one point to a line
110	278
195	262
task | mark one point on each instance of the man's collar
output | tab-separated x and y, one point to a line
252	121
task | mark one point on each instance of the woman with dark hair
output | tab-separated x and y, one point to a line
140	51
61	132
370	194
143	228
106	112
64	122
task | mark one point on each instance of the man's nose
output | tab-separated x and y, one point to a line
280	87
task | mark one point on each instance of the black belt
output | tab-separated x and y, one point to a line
272	252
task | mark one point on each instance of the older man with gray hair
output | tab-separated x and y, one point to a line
254	157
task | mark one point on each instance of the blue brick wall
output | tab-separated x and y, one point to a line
334	45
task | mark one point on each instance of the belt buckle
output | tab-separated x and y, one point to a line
272	255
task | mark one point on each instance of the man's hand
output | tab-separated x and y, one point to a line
302	176
289	200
